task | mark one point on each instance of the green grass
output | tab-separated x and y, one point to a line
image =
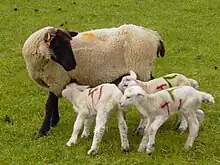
189	28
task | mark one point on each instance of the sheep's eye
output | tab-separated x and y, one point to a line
128	97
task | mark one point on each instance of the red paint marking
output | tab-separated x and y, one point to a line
167	106
180	104
91	92
161	86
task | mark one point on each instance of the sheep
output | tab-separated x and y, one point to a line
155	85
55	57
98	103
159	106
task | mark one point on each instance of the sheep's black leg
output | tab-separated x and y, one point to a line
51	101
151	76
55	113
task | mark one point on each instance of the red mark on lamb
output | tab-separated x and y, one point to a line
161	86
92	90
180	104
167	106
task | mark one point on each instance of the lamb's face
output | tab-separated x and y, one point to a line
126	81
132	96
59	41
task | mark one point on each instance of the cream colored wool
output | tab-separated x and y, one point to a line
102	55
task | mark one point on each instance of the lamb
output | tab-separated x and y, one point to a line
98	102
155	85
55	57
159	106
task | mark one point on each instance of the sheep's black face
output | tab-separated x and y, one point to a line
59	42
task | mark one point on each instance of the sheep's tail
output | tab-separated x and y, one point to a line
193	83
160	49
207	98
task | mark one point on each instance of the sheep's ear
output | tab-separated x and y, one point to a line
133	74
82	87
48	37
73	34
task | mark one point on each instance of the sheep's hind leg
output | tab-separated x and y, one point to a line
52	99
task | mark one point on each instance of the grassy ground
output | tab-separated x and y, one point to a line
191	33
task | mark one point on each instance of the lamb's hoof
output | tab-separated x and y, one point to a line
182	130
150	151
84	136
92	152
70	143
38	135
187	147
126	149
141	149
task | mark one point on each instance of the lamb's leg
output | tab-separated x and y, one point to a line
144	141
55	113
101	120
123	129
200	115
87	124
152	130
140	127
76	128
193	129
52	99
183	123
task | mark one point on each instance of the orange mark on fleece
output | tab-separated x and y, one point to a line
88	35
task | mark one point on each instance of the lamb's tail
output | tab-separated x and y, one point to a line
161	49
193	83
207	98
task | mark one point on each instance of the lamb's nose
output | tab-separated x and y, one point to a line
121	105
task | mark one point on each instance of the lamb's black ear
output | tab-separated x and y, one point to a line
161	49
73	34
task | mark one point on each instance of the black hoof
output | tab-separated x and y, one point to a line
38	135
127	149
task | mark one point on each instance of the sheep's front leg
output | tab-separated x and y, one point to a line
87	124
141	126
101	120
51	101
55	113
193	129
76	128
152	130
123	129
182	122
144	141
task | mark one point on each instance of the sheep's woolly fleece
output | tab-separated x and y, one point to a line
102	55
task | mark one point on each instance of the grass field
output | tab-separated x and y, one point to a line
191	34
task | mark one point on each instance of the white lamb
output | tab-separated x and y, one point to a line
96	102
155	85
158	107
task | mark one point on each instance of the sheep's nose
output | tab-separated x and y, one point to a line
121	105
